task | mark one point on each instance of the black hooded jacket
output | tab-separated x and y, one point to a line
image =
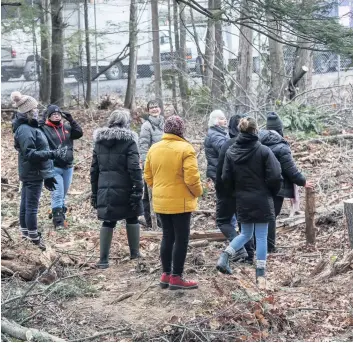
116	176
280	148
34	163
252	174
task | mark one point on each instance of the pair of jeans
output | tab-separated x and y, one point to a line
174	246
63	178
147	208
247	232
30	195
112	224
271	239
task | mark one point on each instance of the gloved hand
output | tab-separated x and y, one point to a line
67	116
59	153
50	183
94	201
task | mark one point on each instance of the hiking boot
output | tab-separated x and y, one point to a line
177	282
133	238
105	241
24	233
58	218
240	254
223	263
247	260
38	241
261	278
164	281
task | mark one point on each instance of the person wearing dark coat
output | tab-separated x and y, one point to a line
34	164
272	137
216	137
252	174
60	134
116	182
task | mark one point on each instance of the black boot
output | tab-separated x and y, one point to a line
105	241
223	263
36	238
58	218
133	237
239	255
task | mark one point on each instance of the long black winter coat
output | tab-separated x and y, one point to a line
280	148
253	175
116	176
62	135
34	162
213	143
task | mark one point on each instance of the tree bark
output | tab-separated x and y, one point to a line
156	49
197	43
245	64
45	33
57	57
210	48
88	58
153	214
276	61
348	211
132	73
310	230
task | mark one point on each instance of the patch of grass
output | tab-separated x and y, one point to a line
74	288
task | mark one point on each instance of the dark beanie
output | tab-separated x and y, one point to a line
274	122
233	124
52	109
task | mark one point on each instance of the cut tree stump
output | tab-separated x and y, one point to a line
348	211
310	230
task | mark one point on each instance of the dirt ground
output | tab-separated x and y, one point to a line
309	297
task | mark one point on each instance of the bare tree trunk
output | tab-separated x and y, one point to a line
132	74
57	57
156	49
197	42
182	68
45	33
88	58
210	48
310	229
218	70
245	64
172	52
276	61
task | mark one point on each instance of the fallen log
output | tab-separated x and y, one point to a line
199	243
27	334
327	139
348	211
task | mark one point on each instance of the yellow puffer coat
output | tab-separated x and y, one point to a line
171	170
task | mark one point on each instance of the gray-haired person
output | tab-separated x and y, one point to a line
116	181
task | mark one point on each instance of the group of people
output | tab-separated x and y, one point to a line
253	171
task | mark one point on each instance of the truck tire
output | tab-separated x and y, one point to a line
115	72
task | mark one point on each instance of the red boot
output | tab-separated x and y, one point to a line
177	282
164	282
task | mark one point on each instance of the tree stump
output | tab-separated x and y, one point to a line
310	230
348	211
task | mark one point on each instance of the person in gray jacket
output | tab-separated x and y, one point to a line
152	131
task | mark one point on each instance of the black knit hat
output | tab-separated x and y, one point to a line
52	109
274	122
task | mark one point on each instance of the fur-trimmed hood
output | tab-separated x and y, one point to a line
114	133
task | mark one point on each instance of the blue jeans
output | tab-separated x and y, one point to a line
63	178
30	195
247	231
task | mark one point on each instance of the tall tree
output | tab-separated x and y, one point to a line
210	48
45	66
245	62
156	49
57	57
88	58
132	73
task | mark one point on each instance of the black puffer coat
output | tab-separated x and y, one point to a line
34	163
116	176
253	175
216	137
280	148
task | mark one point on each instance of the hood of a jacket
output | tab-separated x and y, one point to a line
219	129
271	137
110	134
233	124
244	147
21	119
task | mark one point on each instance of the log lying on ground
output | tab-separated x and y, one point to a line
27	334
348	211
329	139
340	267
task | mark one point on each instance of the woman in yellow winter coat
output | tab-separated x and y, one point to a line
172	172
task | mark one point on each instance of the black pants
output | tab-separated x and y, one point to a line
112	224
271	237
225	209
30	195
176	232
147	208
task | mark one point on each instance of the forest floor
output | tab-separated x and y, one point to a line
59	291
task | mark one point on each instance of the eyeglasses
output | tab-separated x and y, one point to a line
153	107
